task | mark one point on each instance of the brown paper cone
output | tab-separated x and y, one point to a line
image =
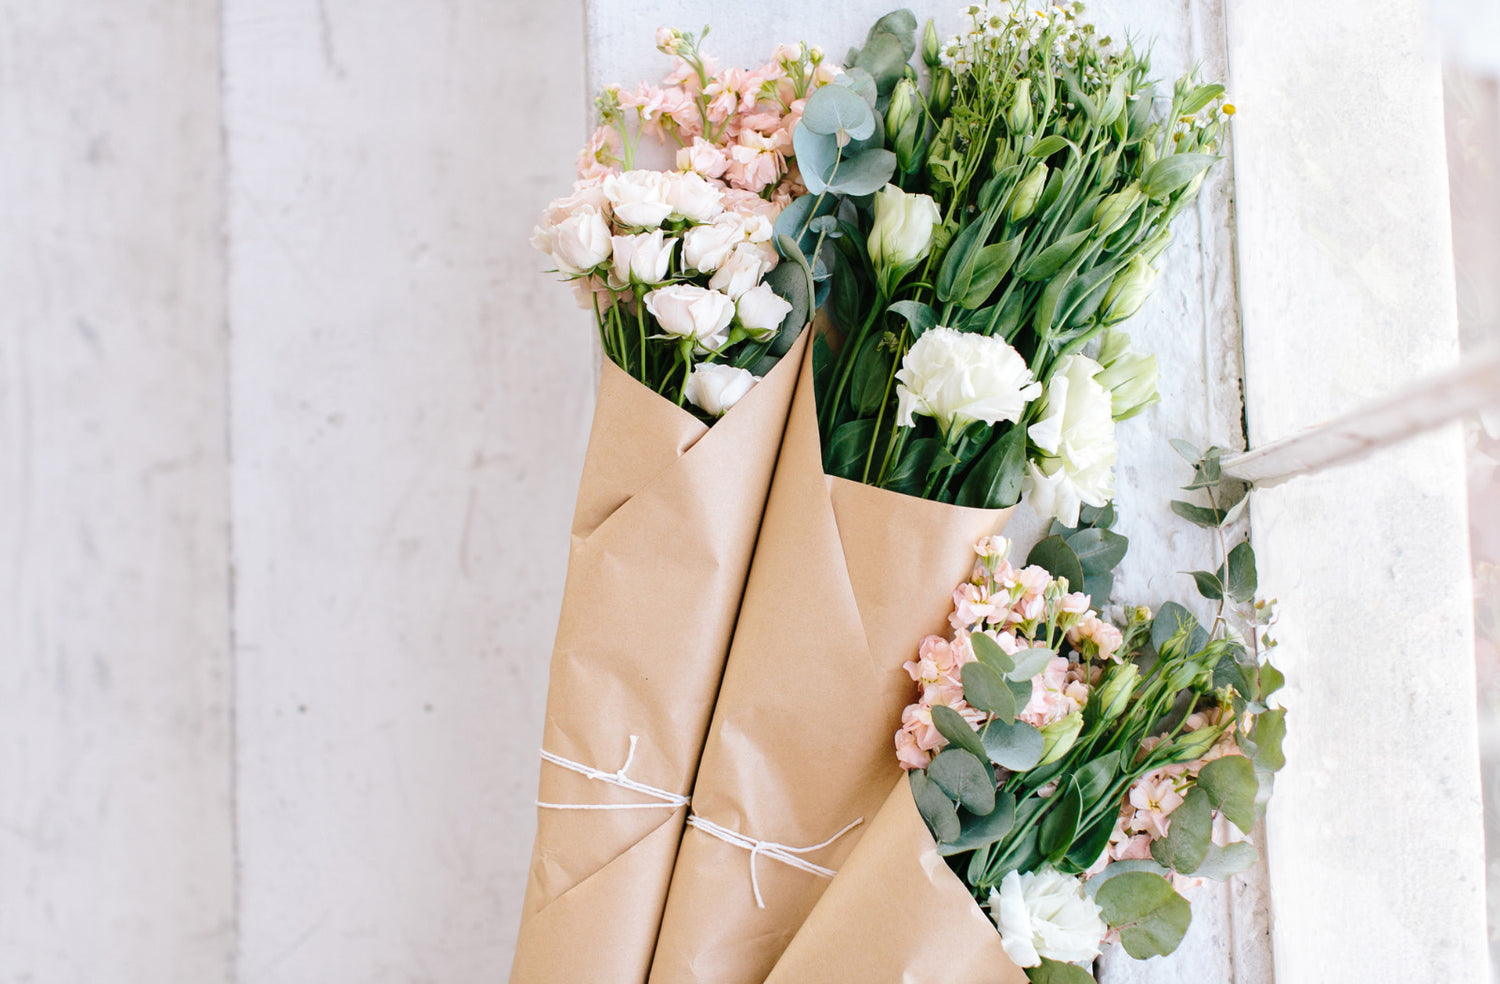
846	582
896	914
666	520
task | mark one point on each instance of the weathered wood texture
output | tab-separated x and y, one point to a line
1346	280
410	400
115	685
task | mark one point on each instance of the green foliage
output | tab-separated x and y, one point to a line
1230	785
1055	555
1057	972
965	778
1188	837
936	808
1150	916
1012	745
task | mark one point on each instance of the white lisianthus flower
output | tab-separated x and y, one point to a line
760	311
692	198
645	258
1076	436
696	313
958	377
638	198
902	233
578	243
714	388
1045	913
741	270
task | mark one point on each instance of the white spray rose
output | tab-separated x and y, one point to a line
692	198
645	258
1076	435
741	270
714	388
585	195
706	247
577	244
902	233
690	312
760	311
959	377
638	198
1045	913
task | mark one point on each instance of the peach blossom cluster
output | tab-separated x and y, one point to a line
1019	608
732	126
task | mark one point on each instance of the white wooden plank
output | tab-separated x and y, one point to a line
410	403
1190	322
1347	294
115	783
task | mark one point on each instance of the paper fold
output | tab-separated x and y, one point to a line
847	580
667	516
896	914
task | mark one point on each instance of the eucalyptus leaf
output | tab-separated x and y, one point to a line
1200	515
988	651
832	109
1188	837
817	154
936	808
1055	556
865	173
965	778
1242	577
1099	551
952	726
1209	585
900	24
1117	868
1270	731
883	56
1171	617
1231	787
1270	680
982	831
1030	662
1151	917
986	689
1228	860
1099	588
1056	972
1192	454
1016	746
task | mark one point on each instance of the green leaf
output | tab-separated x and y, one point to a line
1242	577
952	726
1200	97
936	808
1270	731
1173	173
1150	916
1187	840
1051	144
1092	842
1030	662
1117	868
962	259
884	56
988	651
964	778
847	450
863	85
1056	972
1231	786
1099	551
835	108
817	153
1094	780
1050	260
1185	449
1098	587
995	480
982	831
1208	585
1084	293
1102	517
1058	559
919	317
1231	859
992	264
1015	746
1199	515
1060	825
985	689
1169	618
900	24
913	465
870	379
1271	680
865	173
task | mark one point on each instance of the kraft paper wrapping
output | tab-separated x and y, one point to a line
666	521
896	914
847	580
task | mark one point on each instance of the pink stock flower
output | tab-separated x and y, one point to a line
703	158
755	162
1092	636
917	719
1136	847
601	155
1075	603
972	605
1053	695
907	752
1154	797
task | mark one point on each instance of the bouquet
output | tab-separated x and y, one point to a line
900	408
1065	774
702	353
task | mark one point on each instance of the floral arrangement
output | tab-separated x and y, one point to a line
1071	769
1022	204
679	266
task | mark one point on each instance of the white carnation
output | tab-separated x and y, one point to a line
1076	436
714	388
959	377
1045	913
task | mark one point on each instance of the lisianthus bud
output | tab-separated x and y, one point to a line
931	47
1130	378
1019	117
1059	736
903	124
1194	744
1129	290
1113	697
902	233
959	377
940	93
714	388
1027	192
1111	213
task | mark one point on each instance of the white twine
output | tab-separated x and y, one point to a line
770	849
665	798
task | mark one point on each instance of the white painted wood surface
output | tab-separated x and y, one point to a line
1346	289
116	776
